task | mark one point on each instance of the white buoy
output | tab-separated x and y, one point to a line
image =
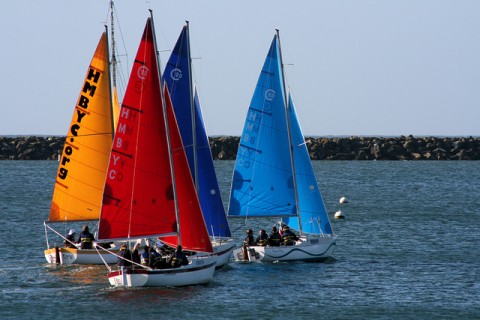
339	215
343	200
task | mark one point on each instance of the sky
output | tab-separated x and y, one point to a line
355	67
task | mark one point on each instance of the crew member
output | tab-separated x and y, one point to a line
288	237
86	238
262	239
275	238
178	258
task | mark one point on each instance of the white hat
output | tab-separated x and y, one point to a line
72	231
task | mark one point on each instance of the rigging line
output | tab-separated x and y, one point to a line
88	135
241	226
139	123
120	71
123	42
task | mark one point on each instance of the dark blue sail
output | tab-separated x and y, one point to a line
177	76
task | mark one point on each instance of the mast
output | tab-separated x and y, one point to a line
167	131
112	36
110	89
192	109
289	133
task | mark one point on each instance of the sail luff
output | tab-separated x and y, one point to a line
113	96
289	134
192	108
115	106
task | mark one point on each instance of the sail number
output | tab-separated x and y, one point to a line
249	139
88	92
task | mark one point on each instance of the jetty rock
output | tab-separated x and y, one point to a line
319	148
30	148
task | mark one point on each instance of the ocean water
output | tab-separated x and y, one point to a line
409	248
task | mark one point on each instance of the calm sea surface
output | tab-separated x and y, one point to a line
409	248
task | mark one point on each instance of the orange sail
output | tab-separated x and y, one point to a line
81	173
116	109
141	199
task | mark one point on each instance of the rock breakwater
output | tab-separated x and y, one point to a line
30	148
327	148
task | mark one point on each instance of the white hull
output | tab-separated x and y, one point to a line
306	249
223	250
79	256
199	271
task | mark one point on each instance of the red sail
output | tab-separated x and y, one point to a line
192	226
138	195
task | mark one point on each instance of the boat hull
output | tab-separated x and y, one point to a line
79	256
306	249
223	250
199	271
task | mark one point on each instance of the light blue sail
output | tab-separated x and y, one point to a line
177	76
313	215
263	183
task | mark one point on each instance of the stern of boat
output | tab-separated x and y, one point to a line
223	249
61	255
128	277
79	256
252	254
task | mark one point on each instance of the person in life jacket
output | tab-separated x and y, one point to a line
156	261
288	237
86	238
262	239
145	256
70	239
275	238
178	258
125	259
249	240
135	254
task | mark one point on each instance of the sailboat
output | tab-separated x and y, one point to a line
147	193
273	175
82	169
178	78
